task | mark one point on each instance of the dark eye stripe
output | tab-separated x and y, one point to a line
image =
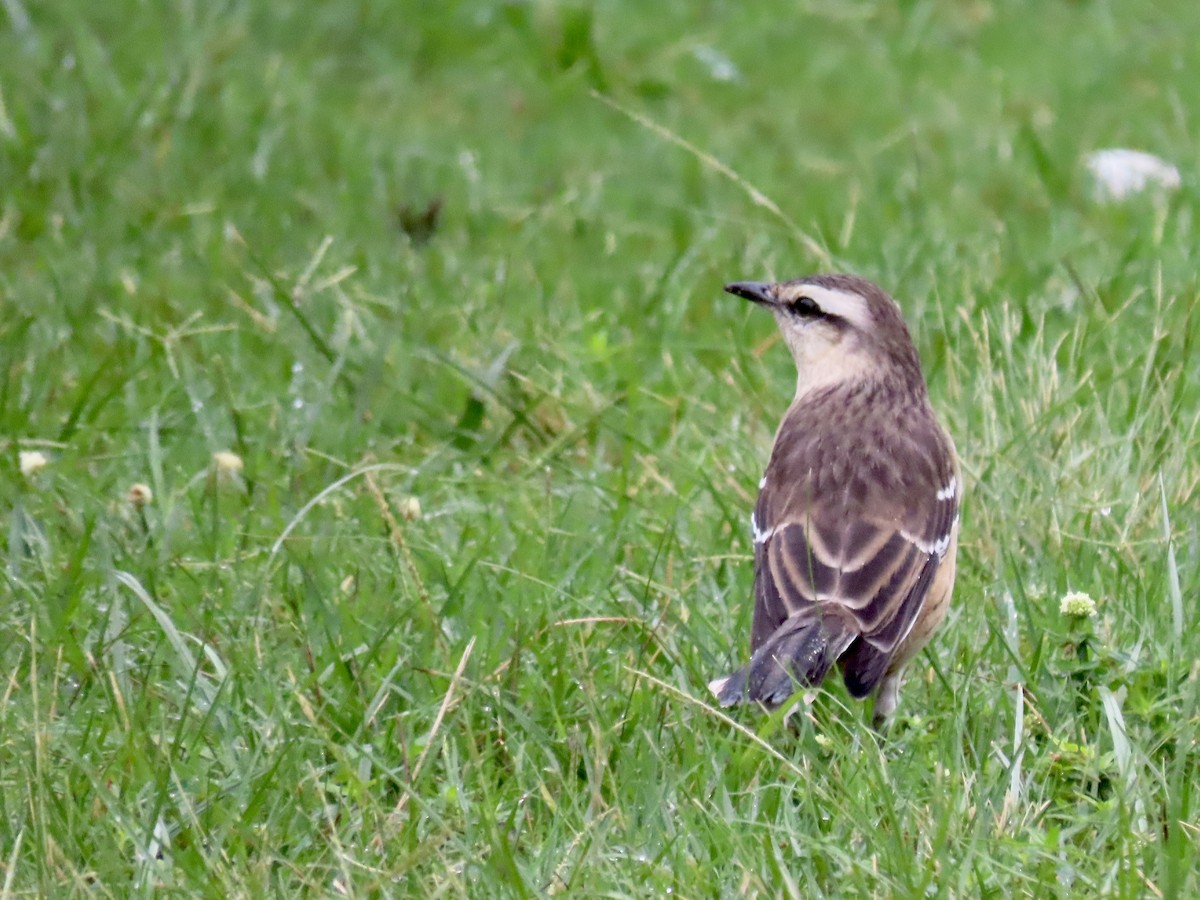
805	307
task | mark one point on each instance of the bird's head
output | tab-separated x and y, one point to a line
840	328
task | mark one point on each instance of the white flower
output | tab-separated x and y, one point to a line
32	462
140	495
1078	605
226	471
410	508
228	463
1121	173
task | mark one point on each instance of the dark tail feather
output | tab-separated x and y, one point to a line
799	653
863	667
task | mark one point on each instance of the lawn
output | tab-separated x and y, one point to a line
377	445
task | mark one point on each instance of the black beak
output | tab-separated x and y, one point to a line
756	291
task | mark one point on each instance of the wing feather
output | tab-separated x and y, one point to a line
860	539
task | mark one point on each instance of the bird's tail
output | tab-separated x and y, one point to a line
799	653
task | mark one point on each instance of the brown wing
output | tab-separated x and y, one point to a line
857	533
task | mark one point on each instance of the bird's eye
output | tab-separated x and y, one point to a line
805	307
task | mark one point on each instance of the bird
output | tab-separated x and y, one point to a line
855	528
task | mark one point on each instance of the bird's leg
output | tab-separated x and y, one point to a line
886	700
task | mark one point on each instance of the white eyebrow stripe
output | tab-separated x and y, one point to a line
843	304
948	492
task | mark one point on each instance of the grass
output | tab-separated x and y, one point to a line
385	252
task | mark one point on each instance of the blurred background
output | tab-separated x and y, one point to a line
377	445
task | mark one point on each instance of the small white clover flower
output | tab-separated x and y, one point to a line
410	508
140	495
1120	173
228	463
32	462
1078	605
226	471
